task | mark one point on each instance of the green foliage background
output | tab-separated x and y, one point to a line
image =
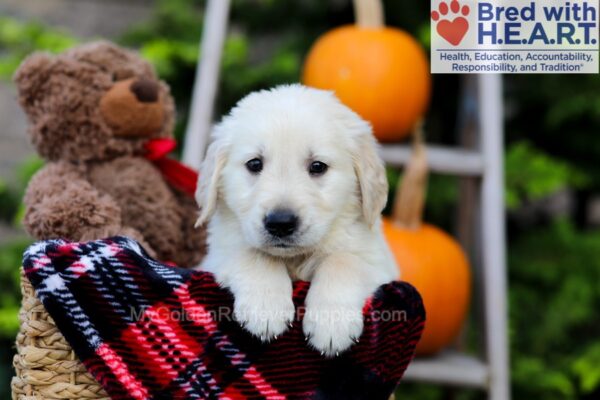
554	263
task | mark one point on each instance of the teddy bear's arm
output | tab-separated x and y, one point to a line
146	201
60	202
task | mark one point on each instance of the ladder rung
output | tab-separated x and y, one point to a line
447	160
449	368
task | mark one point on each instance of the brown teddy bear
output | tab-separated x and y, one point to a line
93	111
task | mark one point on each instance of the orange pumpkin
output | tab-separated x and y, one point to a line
382	73
429	259
435	264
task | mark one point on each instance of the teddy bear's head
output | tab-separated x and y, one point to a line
93	102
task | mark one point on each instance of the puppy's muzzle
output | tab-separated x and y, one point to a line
281	223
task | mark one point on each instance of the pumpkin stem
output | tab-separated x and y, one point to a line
410	193
369	13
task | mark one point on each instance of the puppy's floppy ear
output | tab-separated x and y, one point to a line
371	175
207	190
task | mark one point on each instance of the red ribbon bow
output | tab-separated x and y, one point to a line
177	174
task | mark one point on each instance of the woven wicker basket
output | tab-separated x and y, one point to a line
46	366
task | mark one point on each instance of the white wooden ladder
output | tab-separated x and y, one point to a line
481	166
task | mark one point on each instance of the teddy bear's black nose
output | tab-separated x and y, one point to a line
145	90
281	223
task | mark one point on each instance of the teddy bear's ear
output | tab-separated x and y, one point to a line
31	75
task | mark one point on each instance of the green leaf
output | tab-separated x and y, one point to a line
587	368
535	374
9	322
532	174
18	39
11	255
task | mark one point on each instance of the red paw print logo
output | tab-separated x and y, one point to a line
453	30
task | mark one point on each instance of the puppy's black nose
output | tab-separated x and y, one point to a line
281	223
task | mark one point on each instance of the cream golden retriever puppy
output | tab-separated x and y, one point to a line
292	188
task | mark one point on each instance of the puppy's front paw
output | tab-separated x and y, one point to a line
332	329
265	316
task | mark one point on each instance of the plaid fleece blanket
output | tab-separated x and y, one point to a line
146	330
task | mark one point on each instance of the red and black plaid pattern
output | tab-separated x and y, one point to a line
146	330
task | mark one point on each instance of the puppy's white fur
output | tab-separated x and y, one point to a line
338	245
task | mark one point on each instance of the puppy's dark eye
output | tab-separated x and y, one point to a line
255	165
317	168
